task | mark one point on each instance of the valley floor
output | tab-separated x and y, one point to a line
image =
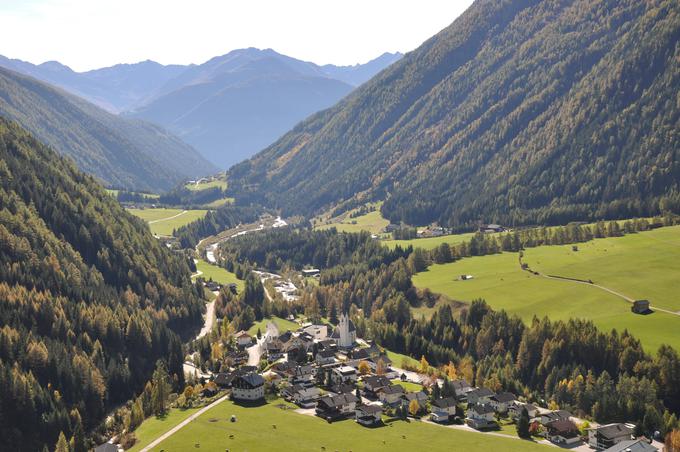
637	266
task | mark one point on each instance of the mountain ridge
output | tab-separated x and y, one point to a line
464	129
123	153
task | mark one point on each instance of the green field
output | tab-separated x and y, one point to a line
640	266
219	183
219	203
282	324
269	427
372	222
218	274
164	221
430	243
154	427
407	385
500	281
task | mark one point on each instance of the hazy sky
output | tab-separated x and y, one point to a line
87	34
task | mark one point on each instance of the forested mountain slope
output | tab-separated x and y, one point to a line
88	297
519	112
124	153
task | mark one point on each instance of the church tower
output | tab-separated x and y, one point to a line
345	333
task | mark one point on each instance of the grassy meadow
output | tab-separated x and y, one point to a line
639	265
276	426
218	274
216	183
372	222
430	243
164	221
154	427
282	324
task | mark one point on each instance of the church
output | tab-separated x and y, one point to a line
345	334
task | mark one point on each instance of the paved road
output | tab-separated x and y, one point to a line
169	218
467	428
208	319
173	430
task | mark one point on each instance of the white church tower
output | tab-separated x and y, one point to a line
345	333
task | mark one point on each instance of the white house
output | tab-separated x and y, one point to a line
248	387
443	409
391	395
605	436
368	415
562	431
344	374
479	396
243	339
480	416
515	409
501	401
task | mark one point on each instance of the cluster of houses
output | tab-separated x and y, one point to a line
483	406
324	369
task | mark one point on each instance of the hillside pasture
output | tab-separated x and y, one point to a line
500	281
163	221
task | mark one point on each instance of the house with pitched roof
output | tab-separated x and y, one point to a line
605	436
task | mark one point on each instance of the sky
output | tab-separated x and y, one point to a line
89	34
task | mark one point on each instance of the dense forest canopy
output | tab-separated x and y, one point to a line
88	297
520	112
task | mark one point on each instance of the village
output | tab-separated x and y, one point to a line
332	374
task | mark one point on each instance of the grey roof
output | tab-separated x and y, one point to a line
448	402
326	353
370	409
614	430
252	379
420	395
504	397
460	384
481	392
339	400
633	445
393	389
481	409
106	447
377	380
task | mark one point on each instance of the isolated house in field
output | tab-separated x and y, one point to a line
641	307
606	436
480	417
336	407
489	228
479	396
368	415
249	387
633	445
501	401
310	272
443	409
562	431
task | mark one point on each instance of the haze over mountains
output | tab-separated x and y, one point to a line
228	107
121	152
520	112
